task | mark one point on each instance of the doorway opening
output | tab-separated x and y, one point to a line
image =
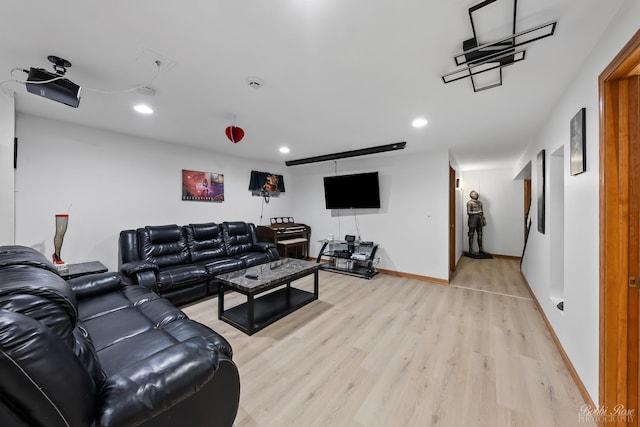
556	226
452	220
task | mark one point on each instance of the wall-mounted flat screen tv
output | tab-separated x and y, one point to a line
352	191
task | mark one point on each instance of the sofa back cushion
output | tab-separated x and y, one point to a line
41	295
23	255
48	369
205	241
238	237
164	244
128	246
43	381
29	286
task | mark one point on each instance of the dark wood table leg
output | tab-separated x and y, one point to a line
220	300
288	293
250	325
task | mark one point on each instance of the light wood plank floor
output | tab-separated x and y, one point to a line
399	352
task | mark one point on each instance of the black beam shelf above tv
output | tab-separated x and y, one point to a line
352	258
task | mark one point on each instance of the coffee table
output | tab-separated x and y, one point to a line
260	312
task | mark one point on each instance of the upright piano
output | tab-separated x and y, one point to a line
286	234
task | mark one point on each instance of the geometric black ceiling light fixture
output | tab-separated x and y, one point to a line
494	45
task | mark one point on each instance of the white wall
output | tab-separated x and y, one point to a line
114	182
7	130
411	226
502	198
577	326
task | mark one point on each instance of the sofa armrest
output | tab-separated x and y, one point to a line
141	273
95	284
130	269
263	246
152	385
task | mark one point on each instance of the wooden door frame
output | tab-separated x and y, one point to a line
619	323
527	203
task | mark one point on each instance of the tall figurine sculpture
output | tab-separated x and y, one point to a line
476	222
61	228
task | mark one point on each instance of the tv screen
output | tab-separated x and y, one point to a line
352	191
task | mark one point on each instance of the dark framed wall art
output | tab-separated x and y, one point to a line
577	155
202	186
541	190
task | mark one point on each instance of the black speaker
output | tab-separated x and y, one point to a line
350	239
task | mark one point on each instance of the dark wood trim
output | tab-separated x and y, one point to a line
452	219
618	366
516	257
626	62
414	276
527	203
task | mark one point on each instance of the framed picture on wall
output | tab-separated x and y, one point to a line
541	191
202	186
577	156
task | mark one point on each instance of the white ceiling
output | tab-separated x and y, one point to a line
338	75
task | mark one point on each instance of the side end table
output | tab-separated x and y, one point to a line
82	269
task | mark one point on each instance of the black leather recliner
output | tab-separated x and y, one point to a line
158	258
241	242
207	248
95	351
180	262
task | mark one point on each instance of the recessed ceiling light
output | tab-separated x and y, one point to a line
284	150
419	122
143	109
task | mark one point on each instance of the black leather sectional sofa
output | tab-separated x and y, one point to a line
95	351
180	262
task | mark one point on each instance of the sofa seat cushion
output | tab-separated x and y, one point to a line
133	348
122	319
224	265
254	258
108	329
132	324
86	353
113	301
170	277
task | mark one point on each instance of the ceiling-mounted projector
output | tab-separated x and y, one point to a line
53	85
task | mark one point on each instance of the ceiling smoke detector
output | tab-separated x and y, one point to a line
255	82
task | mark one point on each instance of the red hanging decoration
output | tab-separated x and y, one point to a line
234	133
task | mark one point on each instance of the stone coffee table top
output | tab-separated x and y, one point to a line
258	277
